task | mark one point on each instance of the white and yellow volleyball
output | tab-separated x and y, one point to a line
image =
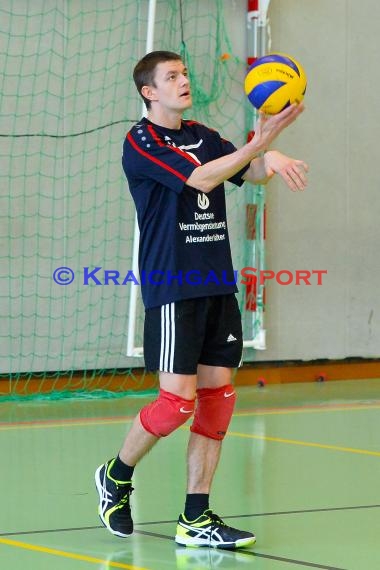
275	81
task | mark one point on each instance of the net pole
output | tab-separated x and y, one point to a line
132	350
257	16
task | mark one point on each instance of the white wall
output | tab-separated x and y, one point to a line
334	224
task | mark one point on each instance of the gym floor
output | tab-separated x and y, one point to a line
300	467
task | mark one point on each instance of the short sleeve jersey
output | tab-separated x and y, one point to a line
184	249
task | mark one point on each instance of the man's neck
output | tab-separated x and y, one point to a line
167	119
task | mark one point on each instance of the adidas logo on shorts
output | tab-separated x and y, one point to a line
231	338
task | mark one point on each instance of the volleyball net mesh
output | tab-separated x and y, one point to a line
67	99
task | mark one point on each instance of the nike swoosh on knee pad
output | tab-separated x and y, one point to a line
185	411
228	395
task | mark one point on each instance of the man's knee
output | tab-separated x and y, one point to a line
214	411
166	414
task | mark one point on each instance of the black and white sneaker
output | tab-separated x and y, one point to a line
114	501
210	530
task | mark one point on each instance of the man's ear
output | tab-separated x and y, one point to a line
149	93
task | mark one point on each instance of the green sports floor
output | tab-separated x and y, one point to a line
300	467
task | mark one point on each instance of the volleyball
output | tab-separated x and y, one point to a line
274	82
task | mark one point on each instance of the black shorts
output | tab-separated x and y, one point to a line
180	335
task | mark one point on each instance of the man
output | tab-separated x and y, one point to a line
192	332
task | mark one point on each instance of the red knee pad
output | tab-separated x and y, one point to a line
214	411
166	414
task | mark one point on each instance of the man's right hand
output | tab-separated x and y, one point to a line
268	127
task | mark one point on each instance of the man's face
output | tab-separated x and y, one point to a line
172	87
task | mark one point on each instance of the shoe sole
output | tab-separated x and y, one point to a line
99	488
198	542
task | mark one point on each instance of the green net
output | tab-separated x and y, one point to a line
67	99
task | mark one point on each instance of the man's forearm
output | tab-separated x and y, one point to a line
207	176
257	172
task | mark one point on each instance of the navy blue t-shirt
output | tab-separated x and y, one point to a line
184	249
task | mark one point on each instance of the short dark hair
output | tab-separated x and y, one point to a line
144	71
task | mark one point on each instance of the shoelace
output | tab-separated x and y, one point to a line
123	494
216	519
216	522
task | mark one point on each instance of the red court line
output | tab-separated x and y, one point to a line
81	420
64	421
372	403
